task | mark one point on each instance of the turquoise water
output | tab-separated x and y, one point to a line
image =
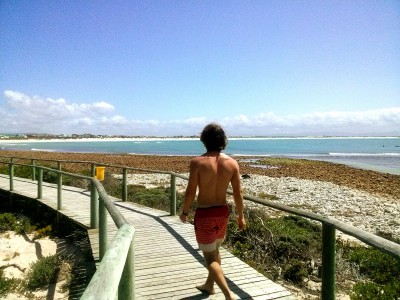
381	154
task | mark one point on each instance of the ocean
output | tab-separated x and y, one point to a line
379	154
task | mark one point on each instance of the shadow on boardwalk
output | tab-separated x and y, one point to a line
192	251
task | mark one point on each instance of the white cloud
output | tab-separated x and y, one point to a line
35	108
23	113
370	122
38	114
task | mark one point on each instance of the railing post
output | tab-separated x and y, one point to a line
11	170
40	182
124	185
173	195
94	202
126	288
328	262
33	170
59	187
102	229
93	170
94	207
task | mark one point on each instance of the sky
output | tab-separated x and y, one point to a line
167	68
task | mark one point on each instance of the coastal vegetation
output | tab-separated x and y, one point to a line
42	272
64	268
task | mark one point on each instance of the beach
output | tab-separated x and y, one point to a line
366	199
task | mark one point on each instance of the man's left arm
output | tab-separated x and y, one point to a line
190	192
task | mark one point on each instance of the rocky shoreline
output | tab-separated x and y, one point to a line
369	212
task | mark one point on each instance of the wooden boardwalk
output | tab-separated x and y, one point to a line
168	263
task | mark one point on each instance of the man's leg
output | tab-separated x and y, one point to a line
215	274
209	285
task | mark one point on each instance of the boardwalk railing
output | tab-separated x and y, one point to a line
117	258
121	248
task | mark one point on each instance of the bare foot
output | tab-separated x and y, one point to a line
232	297
205	289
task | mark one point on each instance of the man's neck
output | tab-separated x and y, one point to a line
212	153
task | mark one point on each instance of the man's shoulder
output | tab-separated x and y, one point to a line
197	158
227	157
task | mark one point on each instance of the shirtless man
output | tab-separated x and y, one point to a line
212	173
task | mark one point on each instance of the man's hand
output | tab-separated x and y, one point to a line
241	222
183	218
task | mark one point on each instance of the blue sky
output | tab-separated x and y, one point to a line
170	67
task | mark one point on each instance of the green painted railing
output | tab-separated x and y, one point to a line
96	286
117	258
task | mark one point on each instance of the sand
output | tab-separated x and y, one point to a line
18	252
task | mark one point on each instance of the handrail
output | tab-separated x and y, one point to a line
124	192
329	225
117	259
390	247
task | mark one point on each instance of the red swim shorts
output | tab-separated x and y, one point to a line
210	225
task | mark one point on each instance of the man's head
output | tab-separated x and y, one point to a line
213	137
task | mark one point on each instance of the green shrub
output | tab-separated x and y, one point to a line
23	225
50	176
374	264
43	272
380	271
373	291
295	237
271	244
4	169
17	223
295	271
43	232
6	284
7	222
112	185
23	171
158	197
240	249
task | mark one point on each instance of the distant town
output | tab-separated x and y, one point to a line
77	136
43	136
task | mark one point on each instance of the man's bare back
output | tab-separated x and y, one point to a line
214	172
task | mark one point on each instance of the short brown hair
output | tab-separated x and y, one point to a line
213	137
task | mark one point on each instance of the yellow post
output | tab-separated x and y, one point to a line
100	173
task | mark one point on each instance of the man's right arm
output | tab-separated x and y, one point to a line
238	196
